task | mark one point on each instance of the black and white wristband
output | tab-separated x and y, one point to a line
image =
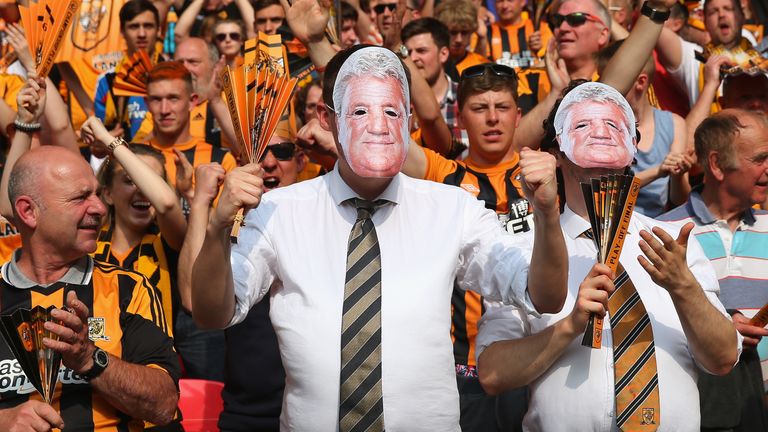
26	127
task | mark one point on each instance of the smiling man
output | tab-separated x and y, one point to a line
363	323
732	147
595	129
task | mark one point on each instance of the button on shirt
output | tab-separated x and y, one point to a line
294	245
577	392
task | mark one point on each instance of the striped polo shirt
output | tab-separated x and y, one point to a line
740	258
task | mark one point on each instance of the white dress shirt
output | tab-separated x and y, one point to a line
294	245
577	392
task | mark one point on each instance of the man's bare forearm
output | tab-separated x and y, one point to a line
193	242
213	293
140	391
623	69
506	365
221	113
711	336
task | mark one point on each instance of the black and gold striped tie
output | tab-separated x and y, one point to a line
361	405
634	358
636	378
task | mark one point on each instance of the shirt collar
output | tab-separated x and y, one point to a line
341	192
451	93
698	208
79	274
572	224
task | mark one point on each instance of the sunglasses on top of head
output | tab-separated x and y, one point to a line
574	19
379	8
494	68
283	151
221	37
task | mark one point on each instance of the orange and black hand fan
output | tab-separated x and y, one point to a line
46	23
131	76
257	93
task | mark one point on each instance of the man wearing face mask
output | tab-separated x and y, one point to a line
360	264
663	316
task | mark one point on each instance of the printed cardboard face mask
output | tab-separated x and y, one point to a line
595	127
372	108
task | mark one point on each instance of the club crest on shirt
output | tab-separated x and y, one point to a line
648	414
97	329
469	187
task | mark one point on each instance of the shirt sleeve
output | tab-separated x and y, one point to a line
253	259
493	263
438	167
499	323
687	73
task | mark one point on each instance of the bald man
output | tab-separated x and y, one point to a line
209	119
118	365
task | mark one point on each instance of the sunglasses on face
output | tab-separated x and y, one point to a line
221	37
494	68
575	19
283	151
379	8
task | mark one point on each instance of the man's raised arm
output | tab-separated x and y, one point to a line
213	292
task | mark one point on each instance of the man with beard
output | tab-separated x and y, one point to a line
360	264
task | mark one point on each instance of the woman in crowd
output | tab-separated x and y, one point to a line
145	227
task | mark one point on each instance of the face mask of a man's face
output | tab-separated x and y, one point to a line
596	134
372	120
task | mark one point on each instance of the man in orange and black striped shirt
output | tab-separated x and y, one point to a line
487	98
118	365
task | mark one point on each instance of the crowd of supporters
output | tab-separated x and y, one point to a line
486	77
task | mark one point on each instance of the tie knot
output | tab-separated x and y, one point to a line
365	208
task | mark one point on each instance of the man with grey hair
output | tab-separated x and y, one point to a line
732	147
662	316
361	291
586	108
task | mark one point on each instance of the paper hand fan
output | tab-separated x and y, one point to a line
257	93
23	331
540	7
131	76
45	23
610	201
333	29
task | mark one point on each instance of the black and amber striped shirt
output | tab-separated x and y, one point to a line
126	319
153	258
499	187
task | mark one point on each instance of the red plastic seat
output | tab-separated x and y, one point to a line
200	404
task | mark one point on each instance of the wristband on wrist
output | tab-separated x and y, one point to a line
26	127
656	15
117	142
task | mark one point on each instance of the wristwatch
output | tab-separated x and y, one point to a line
117	142
100	362
402	52
655	15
